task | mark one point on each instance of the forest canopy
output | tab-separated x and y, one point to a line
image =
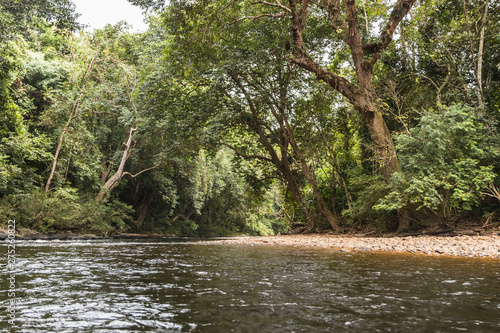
251	117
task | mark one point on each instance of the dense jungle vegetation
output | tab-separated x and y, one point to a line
255	117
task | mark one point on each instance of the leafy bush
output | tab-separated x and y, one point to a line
441	164
63	210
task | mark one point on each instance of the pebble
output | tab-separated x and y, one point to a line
468	246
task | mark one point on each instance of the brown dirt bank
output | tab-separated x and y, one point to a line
466	246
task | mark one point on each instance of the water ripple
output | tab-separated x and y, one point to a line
123	286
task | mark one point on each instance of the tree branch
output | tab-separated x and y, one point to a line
303	13
237	152
212	19
182	211
275	4
339	83
494	192
137	174
353	37
332	7
255	115
297	28
399	11
260	16
300	58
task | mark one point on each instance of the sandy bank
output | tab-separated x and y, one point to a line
467	246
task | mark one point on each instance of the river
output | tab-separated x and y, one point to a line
182	286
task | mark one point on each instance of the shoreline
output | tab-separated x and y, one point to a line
483	246
456	246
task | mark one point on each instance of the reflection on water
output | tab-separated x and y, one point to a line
185	287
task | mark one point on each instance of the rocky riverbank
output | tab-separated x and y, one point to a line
462	245
466	246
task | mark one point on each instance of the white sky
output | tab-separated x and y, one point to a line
98	13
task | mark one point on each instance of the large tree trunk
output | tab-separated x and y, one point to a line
384	150
364	56
114	180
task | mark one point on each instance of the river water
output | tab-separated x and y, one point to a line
177	286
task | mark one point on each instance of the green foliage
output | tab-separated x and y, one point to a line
211	197
42	74
20	14
203	79
10	114
367	191
42	81
224	203
64	210
258	225
441	167
22	156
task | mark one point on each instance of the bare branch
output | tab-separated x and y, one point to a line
182	211
137	174
493	192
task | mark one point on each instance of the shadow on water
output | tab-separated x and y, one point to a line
187	287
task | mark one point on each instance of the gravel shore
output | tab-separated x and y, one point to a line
465	246
487	246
